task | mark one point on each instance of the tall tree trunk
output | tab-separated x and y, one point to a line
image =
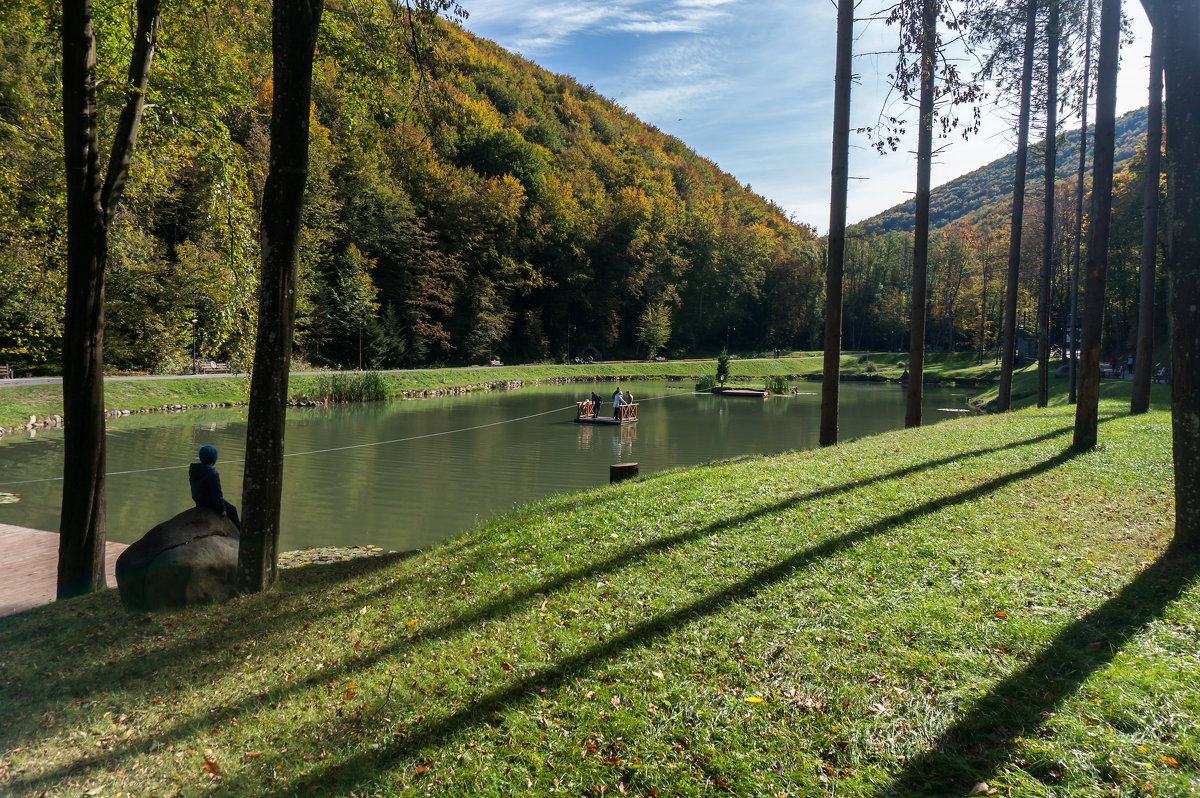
1177	22
90	209
1004	401
1072	377
1087	410
1142	365
294	28
1052	34
916	348
835	269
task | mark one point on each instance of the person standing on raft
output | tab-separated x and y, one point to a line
206	486
617	400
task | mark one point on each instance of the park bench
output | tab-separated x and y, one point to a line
6	373
212	367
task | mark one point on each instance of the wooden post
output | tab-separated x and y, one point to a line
620	471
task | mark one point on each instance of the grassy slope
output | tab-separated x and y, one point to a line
904	615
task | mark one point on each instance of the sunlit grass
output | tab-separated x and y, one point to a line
909	614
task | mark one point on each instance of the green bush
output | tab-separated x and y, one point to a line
777	383
706	383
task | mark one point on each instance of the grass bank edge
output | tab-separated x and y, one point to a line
19	403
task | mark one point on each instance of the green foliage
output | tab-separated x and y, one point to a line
723	366
706	383
778	384
654	328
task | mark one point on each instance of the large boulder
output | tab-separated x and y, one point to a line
190	559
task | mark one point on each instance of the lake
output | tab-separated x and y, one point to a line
407	474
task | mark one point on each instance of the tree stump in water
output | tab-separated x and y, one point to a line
620	471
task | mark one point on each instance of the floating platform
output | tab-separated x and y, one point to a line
748	393
626	414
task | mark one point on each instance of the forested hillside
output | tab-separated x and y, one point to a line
967	263
975	191
462	205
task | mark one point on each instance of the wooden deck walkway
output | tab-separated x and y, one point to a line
29	567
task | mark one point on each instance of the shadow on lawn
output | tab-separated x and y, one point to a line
362	766
365	765
972	749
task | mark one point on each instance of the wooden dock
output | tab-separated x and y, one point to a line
747	393
29	567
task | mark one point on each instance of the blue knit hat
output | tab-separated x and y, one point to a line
208	455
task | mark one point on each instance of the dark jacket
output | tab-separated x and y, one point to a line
206	486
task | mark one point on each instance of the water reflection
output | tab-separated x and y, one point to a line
408	474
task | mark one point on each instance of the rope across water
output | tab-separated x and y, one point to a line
352	445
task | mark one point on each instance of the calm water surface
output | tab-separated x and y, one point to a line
408	474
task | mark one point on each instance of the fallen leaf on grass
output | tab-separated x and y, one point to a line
1001	614
754	699
210	764
1170	760
419	769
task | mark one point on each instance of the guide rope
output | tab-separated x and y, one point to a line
348	446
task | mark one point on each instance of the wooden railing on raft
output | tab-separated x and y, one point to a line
586	409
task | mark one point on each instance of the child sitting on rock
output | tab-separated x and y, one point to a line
206	486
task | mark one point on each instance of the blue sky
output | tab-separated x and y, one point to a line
749	85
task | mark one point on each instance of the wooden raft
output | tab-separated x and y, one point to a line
626	414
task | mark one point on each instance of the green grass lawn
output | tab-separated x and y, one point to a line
909	614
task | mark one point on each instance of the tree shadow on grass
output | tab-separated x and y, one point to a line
365	765
974	747
103	650
570	666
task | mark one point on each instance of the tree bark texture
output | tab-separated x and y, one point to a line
1072	376
916	348
1177	22
294	28
1087	410
1052	34
1004	400
1143	366
90	209
835	268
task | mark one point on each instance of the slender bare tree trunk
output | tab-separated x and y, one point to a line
1177	23
1004	400
90	209
1144	354
1087	410
835	269
294	28
1052	34
916	348
1072	378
